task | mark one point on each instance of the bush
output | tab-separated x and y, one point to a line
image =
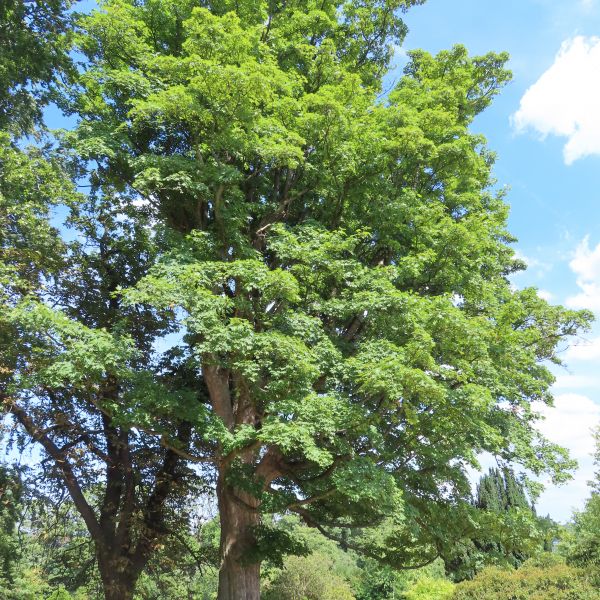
430	589
531	582
308	578
582	546
60	594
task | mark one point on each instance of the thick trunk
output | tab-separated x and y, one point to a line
117	588
239	579
118	583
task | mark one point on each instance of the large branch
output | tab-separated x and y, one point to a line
312	522
115	480
311	499
60	458
217	382
353	328
128	504
154	511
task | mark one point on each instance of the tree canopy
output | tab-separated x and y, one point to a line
34	44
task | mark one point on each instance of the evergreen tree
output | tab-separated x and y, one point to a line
500	490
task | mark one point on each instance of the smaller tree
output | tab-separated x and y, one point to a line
582	542
513	531
308	578
500	490
429	588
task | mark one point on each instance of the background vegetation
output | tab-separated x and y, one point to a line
48	554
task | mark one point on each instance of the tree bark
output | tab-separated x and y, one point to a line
239	579
118	583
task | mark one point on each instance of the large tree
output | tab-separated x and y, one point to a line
331	262
64	360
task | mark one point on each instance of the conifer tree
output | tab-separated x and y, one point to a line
500	490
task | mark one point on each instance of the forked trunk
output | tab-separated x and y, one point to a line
239	579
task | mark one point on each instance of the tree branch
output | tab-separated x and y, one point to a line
69	477
311	522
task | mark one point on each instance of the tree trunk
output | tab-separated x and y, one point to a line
117	588
238	511
117	583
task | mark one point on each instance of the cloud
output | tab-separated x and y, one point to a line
584	350
545	295
586	266
569	423
575	382
564	100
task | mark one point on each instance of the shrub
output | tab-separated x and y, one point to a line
308	578
430	589
531	582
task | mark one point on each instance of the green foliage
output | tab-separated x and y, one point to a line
376	581
332	270
530	582
506	531
430	589
10	498
366	578
176	584
34	44
52	553
27	585
308	578
498	491
31	185
60	594
273	543
581	543
298	272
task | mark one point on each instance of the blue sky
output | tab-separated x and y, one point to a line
545	127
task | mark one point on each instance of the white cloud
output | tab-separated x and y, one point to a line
576	382
570	423
545	295
584	350
564	100
586	266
